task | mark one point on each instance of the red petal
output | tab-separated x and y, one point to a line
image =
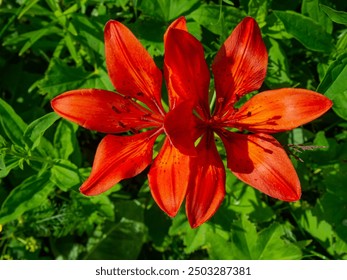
179	23
240	65
118	158
130	67
280	110
179	126
168	178
186	71
102	110
261	162
207	182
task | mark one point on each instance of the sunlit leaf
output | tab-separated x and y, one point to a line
334	85
28	195
36	129
306	31
336	16
65	175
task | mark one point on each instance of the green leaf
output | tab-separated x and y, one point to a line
258	10
334	85
274	28
8	163
36	129
277	71
158	224
195	238
65	141
90	33
336	16
246	200
270	245
220	248
28	195
311	8
166	10
34	36
218	20
248	244
122	240
306	31
336	198
65	175
11	123
60	78
317	227
72	48
244	238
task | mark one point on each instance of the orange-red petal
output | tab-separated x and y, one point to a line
179	23
102	110
179	126
169	177
260	161
130	67
240	65
118	158
280	110
186	71
206	189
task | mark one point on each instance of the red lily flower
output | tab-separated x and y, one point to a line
136	107
257	159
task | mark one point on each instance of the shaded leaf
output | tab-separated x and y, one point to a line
60	78
11	123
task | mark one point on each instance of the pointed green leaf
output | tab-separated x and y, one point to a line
334	85
166	10
306	31
35	36
244	239
258	10
36	129
65	141
28	195
11	123
270	245
336	16
65	175
60	78
9	163
278	69
311	9
218	20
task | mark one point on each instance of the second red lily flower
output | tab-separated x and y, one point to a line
256	158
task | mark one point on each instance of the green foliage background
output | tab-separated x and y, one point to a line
48	47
